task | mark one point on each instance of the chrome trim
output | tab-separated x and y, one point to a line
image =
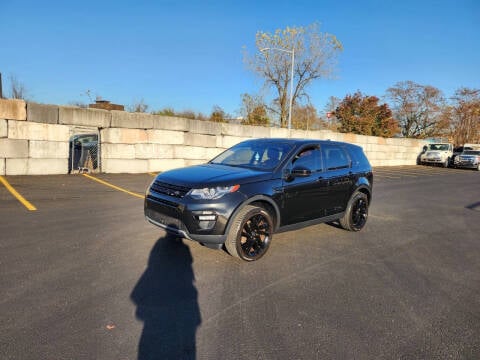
169	229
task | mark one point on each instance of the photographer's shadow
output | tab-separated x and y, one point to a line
167	303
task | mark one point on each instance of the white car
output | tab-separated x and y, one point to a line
438	153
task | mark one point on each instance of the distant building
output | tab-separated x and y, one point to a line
106	105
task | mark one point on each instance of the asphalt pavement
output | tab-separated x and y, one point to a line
84	276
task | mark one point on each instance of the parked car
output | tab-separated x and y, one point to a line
259	187
468	159
456	151
438	154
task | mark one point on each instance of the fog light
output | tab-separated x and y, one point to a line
206	225
206	217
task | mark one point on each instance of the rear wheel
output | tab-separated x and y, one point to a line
356	215
250	234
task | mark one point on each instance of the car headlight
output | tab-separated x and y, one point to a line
147	191
212	193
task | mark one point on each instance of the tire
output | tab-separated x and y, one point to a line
250	234
446	163
356	214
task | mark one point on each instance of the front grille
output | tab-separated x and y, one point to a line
162	201
169	189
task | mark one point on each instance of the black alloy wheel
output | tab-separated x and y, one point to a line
359	213
250	234
356	214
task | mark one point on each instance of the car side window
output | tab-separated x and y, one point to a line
308	158
335	157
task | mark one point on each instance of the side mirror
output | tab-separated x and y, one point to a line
300	171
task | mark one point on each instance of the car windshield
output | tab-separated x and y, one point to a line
471	152
258	155
438	147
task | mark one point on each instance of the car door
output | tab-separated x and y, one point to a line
303	195
340	179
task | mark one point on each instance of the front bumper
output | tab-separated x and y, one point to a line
466	164
435	160
185	217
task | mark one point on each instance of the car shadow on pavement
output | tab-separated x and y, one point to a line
167	303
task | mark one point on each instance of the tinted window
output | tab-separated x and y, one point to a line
262	155
308	158
335	157
358	157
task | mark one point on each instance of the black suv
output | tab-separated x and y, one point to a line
259	187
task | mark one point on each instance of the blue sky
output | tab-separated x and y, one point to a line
188	54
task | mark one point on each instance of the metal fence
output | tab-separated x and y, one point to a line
84	150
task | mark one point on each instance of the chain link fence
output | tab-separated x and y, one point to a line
84	150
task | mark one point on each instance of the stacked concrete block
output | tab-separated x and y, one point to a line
48	149
13	109
125	166
190	152
124	136
2	166
3	128
226	142
157	165
42	113
154	151
170	137
122	119
204	127
279	133
170	123
208	141
30	166
84	117
117	151
210	153
13	148
190	162
37	131
246	131
37	148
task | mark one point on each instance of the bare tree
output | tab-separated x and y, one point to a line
254	110
218	115
17	88
315	57
331	121
465	116
305	117
417	108
138	106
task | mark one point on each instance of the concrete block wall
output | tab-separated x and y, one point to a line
34	140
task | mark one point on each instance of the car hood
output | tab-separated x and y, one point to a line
206	175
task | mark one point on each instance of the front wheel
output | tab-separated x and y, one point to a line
356	215
250	233
446	163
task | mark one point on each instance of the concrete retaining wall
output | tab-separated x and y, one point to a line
34	140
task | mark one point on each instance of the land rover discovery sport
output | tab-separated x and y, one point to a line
260	187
